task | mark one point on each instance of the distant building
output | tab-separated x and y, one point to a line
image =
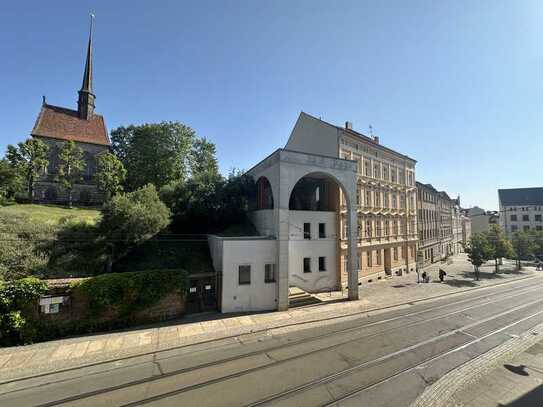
443	228
481	219
521	209
56	125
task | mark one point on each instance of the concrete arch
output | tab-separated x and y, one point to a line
283	169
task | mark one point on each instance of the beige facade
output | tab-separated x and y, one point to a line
385	198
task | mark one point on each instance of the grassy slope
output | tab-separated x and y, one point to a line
50	214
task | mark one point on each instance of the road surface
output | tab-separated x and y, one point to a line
385	359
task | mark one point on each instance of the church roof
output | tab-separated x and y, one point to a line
65	124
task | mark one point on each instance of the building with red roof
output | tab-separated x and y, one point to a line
56	125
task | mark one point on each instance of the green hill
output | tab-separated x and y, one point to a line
50	214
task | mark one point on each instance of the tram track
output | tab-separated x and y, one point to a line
518	292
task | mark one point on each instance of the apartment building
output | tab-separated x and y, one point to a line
521	209
332	208
443	227
386	227
481	220
429	229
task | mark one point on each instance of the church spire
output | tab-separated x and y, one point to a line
85	104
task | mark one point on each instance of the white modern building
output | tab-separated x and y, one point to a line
521	209
333	208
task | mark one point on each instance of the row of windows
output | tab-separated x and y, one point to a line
526	228
526	208
379	228
244	273
379	170
383	199
307	231
307	264
377	256
526	218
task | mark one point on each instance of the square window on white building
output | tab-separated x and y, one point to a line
307	230
269	273
322	263
307	264
322	230
244	274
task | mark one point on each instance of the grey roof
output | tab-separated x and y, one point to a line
521	196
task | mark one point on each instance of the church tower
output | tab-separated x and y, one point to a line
85	104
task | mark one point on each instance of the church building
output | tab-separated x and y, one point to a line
55	125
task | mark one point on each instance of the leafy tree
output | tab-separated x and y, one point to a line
208	203
129	219
156	154
70	166
523	247
110	175
204	159
479	251
29	158
10	181
501	246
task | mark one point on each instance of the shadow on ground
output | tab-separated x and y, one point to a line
533	398
458	283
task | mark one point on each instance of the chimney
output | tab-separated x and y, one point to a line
349	125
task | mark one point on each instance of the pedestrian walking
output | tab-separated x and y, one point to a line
442	275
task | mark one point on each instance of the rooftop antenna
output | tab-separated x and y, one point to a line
371	131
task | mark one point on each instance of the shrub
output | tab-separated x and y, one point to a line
131	218
17	301
21	251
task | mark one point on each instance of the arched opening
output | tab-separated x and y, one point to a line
318	233
264	194
315	192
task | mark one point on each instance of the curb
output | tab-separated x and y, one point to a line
440	393
72	364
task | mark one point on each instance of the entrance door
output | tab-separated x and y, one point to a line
202	294
388	262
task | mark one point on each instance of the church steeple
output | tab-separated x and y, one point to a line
85	104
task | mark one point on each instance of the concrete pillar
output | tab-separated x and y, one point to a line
283	245
352	276
282	259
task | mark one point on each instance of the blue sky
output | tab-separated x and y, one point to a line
454	84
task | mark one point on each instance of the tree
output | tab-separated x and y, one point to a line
29	158
71	164
156	154
523	247
10	181
479	251
110	175
204	160
501	246
129	219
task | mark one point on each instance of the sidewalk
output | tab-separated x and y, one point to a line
511	374
515	382
397	291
